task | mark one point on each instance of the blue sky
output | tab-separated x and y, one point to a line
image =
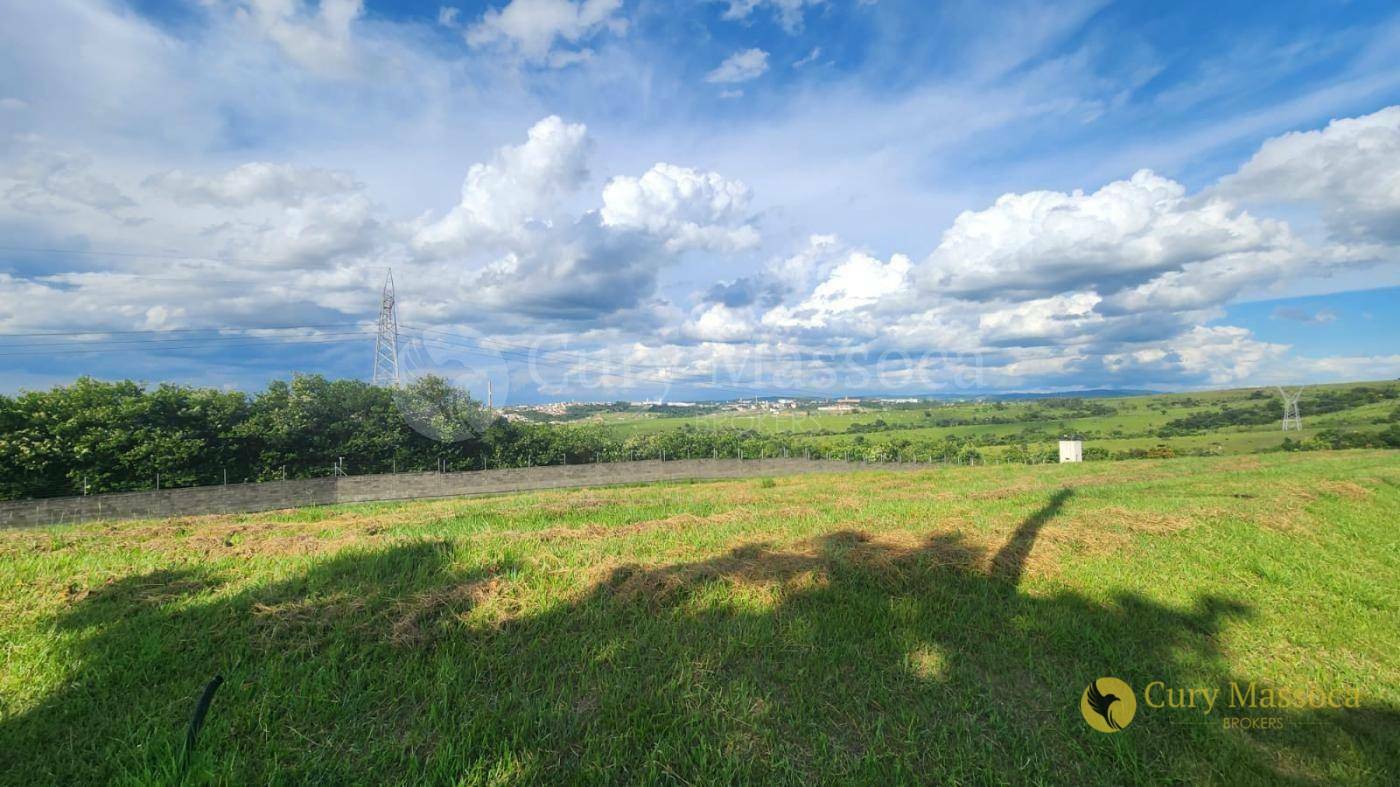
703	199
1362	322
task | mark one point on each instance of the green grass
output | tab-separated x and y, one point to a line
1133	425
933	626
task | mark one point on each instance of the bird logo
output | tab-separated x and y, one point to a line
1108	704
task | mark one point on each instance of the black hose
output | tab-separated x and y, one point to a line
199	710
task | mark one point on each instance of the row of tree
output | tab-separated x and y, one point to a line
98	436
95	436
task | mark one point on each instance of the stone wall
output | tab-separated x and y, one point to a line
246	498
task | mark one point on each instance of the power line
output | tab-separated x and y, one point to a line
533	355
99	332
203	345
167	254
627	374
146	342
659	367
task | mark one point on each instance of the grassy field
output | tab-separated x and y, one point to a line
934	626
1131	422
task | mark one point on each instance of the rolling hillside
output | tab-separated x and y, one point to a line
1214	422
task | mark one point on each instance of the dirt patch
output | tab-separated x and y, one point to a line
734	494
752	564
1291	517
893	553
73	593
263	541
590	532
21	543
806	564
1245	463
303	611
412	623
1347	489
1134	521
1098	532
1000	493
927	662
1300	492
246	539
385	517
1287	509
1282	507
575	505
1102	478
149	590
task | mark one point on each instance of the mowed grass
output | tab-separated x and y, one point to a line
933	625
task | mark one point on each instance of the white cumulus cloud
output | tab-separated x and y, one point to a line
533	28
522	184
856	283
739	67
686	208
1351	169
1128	232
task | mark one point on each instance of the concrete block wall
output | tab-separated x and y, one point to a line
232	499
271	495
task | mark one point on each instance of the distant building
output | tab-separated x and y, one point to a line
1071	451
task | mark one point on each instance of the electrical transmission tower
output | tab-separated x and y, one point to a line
386	343
1292	419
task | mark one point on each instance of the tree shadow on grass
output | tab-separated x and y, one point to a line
845	658
1010	562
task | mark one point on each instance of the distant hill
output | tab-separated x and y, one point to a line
1092	393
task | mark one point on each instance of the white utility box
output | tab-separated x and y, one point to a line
1071	450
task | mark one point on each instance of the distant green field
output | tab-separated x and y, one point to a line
1134	422
931	626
